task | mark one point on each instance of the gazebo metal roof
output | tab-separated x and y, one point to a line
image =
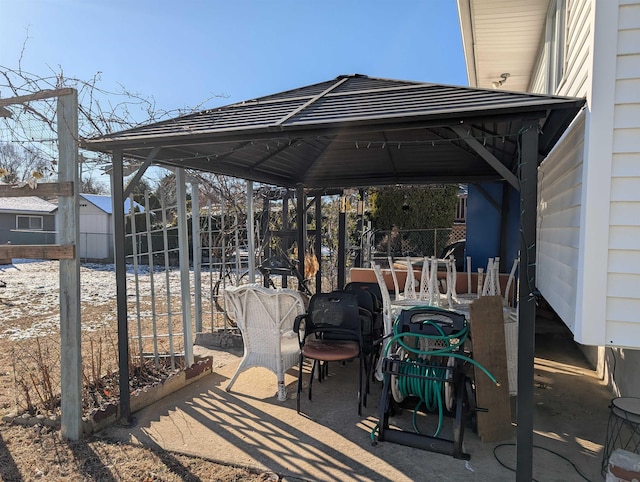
354	131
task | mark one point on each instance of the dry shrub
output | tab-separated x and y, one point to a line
36	372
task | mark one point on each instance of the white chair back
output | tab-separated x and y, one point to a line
396	287
265	318
509	300
410	282
425	279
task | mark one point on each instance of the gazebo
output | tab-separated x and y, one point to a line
356	131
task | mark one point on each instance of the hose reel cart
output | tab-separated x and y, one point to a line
427	368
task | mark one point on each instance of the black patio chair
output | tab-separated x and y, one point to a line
371	320
332	332
371	287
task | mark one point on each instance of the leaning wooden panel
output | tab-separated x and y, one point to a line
487	335
37	251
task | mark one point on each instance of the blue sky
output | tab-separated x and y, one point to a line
182	52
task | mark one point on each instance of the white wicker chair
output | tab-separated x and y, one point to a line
265	317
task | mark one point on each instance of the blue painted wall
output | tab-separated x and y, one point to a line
483	225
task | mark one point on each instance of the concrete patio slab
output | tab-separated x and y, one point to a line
329	441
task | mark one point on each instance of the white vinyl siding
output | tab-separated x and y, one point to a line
560	193
576	74
623	277
538	79
572	53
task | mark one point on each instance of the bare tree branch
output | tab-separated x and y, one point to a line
32	125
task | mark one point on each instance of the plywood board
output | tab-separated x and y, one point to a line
487	335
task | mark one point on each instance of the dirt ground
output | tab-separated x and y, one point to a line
29	342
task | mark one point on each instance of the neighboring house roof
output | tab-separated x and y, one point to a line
104	203
27	204
501	37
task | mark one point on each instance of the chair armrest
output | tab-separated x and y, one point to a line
296	328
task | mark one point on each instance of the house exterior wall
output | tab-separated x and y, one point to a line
592	177
623	268
8	232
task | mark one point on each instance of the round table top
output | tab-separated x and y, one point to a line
627	407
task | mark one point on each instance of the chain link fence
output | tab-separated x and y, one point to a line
398	243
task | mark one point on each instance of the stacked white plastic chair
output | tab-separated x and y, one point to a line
452	281
511	329
265	318
491	286
508	298
396	287
410	282
426	288
430	284
387	317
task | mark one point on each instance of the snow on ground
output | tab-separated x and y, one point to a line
29	303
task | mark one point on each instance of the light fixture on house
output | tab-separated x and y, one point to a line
503	79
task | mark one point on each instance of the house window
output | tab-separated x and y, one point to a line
555	42
29	223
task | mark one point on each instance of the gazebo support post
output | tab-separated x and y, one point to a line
183	253
527	303
342	242
318	241
196	244
301	216
251	241
120	262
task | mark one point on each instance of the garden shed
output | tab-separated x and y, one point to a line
96	226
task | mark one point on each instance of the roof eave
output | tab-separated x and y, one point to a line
301	128
466	31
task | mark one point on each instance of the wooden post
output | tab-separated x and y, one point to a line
68	224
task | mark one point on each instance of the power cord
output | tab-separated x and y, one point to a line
575	467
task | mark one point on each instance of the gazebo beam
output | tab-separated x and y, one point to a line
487	156
141	170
